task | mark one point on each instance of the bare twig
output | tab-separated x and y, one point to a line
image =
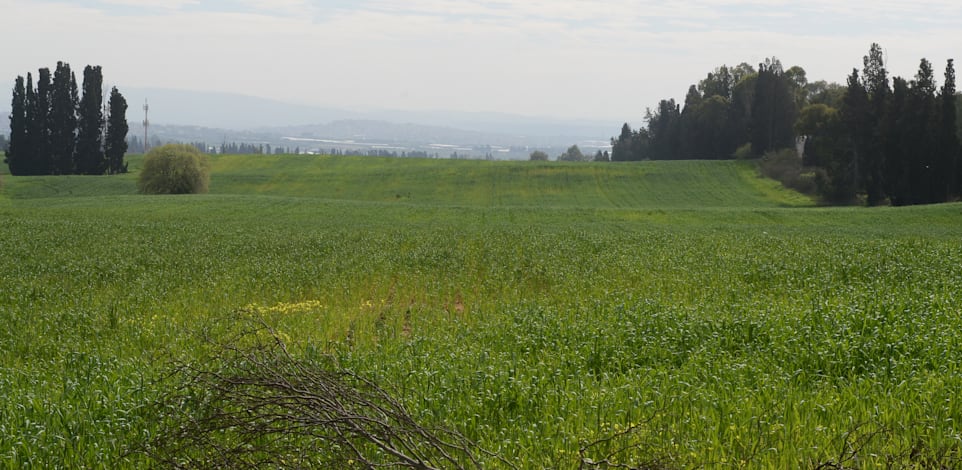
255	405
608	460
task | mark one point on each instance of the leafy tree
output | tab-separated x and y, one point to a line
174	169
817	124
602	156
539	156
798	82
742	71
718	83
17	149
822	92
573	154
63	119
115	142
90	158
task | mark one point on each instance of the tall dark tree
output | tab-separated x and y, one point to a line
663	131
17	149
63	119
690	139
949	150
872	155
856	121
707	129
43	161
89	157
740	110
773	110
621	147
33	163
115	143
929	184
896	170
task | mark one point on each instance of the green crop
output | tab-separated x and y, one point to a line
694	314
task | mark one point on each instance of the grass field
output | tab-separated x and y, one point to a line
533	307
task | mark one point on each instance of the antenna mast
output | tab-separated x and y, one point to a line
146	124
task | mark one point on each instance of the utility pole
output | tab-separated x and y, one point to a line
146	124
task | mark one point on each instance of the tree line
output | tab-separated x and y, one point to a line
572	154
870	139
55	130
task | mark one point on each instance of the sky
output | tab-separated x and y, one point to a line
607	60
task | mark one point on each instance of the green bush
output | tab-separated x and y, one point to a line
174	169
786	166
744	152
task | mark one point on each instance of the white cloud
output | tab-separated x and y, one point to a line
597	58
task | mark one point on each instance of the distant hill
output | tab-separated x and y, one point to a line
214	117
241	112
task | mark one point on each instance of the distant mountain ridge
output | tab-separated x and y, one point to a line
217	117
234	111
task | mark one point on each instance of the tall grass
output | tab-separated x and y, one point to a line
535	322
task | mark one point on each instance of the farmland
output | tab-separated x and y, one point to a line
533	307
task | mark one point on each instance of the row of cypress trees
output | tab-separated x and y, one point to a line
56	131
878	139
894	141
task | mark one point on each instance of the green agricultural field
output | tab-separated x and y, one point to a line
659	314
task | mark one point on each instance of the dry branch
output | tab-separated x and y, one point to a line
255	405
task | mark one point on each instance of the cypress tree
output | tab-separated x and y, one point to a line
90	150
844	169
948	138
773	110
115	145
63	119
872	155
31	149
43	163
17	148
621	147
923	121
896	170
663	131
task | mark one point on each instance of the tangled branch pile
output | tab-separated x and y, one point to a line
257	406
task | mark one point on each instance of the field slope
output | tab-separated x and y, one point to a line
534	307
461	182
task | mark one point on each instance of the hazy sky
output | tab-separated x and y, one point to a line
605	59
